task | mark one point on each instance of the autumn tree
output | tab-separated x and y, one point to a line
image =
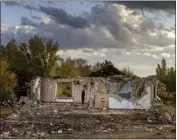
8	80
18	58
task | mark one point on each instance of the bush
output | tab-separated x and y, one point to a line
64	90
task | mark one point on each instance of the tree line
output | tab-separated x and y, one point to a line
166	75
39	57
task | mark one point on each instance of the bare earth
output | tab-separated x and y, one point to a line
63	120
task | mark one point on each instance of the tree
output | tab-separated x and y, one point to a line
8	80
73	67
127	71
19	62
82	66
172	79
161	71
43	55
166	75
100	65
67	68
37	58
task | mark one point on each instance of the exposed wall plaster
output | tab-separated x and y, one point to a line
120	103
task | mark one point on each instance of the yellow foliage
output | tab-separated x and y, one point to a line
8	80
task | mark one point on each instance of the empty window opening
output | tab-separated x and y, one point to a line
64	89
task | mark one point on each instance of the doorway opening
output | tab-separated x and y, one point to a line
83	96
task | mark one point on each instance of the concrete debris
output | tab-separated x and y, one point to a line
5	134
68	119
149	129
13	116
55	111
15	130
60	131
168	116
42	134
28	133
34	135
35	103
105	131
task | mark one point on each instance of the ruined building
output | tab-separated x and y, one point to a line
112	91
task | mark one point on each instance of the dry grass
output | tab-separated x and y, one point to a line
5	111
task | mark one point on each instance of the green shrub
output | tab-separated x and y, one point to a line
64	90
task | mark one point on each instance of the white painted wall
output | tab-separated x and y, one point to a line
143	103
36	88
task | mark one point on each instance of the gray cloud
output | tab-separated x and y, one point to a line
63	17
109	27
104	27
27	21
11	3
151	5
36	17
20	4
87	51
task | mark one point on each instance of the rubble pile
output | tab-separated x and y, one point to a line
69	120
162	113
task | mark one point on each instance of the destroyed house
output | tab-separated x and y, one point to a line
103	92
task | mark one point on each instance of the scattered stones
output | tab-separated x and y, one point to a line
160	128
50	120
15	130
42	134
105	131
5	135
60	131
28	133
13	116
149	129
35	135
70	129
55	111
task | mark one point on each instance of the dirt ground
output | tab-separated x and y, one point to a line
66	120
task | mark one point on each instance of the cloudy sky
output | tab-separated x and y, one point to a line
134	34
